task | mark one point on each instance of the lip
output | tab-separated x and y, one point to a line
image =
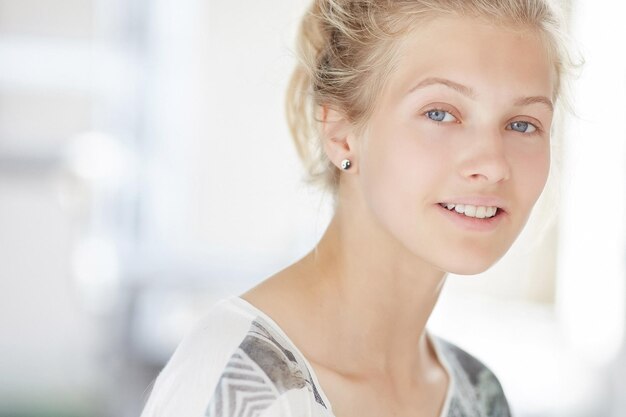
471	223
479	201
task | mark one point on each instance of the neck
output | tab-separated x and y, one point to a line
374	299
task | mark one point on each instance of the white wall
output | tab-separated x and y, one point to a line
51	348
235	195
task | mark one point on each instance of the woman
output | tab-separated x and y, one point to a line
429	122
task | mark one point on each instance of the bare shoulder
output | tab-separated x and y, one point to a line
281	294
286	298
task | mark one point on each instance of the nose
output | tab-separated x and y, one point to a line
486	159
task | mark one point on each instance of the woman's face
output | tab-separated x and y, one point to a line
464	119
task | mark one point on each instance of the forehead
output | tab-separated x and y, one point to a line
495	61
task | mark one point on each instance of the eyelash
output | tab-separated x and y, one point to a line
537	131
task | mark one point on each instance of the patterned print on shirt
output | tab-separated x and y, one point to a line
260	371
478	392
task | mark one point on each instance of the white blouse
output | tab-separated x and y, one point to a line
237	362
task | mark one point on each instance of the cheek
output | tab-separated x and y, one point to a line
401	175
532	170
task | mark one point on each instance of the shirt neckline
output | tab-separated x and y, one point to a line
242	303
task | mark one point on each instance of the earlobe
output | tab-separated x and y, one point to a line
336	132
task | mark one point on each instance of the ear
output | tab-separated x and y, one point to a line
337	136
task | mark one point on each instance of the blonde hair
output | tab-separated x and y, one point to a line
347	47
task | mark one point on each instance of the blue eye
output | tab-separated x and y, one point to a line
440	116
523	127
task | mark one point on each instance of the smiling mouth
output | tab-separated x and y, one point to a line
478	212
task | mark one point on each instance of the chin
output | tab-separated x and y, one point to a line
472	259
470	265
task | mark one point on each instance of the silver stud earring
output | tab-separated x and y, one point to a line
346	164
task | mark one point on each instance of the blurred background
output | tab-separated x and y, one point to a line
146	171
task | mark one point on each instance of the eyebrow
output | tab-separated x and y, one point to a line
470	93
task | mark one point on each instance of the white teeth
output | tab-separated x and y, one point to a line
479	212
470	211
